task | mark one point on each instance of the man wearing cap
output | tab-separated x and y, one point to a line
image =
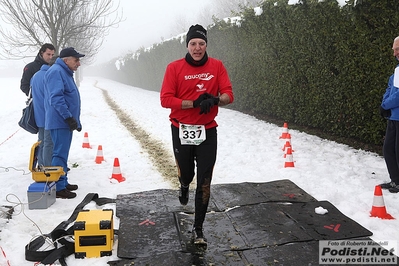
193	88
62	111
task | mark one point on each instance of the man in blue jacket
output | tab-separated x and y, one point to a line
63	113
390	110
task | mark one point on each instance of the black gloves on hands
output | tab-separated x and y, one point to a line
385	113
205	101
72	123
202	97
207	104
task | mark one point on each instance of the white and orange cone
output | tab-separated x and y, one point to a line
86	143
285	131
116	172
100	157
288	137
378	209
289	159
286	147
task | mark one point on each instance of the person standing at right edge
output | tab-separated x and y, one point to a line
193	88
390	110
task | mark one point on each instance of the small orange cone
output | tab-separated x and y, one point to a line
289	159
285	131
100	157
116	172
86	143
286	147
378	209
288	137
287	144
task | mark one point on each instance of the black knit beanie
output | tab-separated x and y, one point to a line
196	31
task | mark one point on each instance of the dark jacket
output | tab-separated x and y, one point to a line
28	72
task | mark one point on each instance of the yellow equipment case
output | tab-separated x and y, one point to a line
43	173
94	233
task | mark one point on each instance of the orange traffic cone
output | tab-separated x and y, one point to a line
286	147
116	172
285	131
289	159
288	137
86	141
378	209
100	157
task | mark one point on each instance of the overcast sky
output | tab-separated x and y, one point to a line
147	22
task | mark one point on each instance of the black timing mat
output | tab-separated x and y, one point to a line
246	224
161	200
174	258
231	195
330	226
300	253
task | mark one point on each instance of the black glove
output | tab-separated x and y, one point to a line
207	104
72	123
79	129
200	98
385	113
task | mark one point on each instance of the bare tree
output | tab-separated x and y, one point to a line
79	23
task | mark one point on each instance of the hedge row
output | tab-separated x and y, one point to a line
314	64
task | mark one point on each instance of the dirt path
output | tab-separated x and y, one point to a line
159	155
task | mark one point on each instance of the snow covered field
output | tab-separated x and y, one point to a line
249	151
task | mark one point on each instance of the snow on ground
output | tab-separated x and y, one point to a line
249	151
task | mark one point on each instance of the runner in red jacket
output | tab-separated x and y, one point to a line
193	88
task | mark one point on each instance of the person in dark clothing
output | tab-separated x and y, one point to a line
43	57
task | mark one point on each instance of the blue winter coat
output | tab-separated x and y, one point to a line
62	98
37	87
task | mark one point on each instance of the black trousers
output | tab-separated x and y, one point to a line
203	157
391	150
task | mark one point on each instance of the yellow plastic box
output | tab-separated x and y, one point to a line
94	233
43	173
